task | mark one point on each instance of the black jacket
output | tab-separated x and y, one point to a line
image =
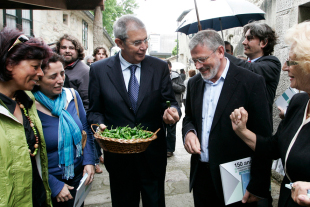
224	144
267	66
109	104
298	161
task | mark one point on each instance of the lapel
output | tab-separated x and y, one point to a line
147	71
116	76
228	90
198	94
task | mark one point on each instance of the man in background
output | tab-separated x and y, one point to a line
183	75
100	53
76	70
229	48
178	88
259	43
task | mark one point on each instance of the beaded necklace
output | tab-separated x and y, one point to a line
32	125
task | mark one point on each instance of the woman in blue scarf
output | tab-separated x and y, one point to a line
62	127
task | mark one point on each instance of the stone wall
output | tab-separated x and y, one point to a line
49	25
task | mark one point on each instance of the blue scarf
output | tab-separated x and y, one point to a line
69	134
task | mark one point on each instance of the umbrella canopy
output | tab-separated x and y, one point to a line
220	15
177	66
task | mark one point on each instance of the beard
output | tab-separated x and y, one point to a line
69	58
212	71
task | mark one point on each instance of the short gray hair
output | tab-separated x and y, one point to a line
121	26
209	38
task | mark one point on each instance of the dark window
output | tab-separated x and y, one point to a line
21	19
85	35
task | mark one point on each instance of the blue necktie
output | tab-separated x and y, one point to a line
133	88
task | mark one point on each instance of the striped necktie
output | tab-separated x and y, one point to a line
133	88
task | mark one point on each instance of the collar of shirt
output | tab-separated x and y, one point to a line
223	76
254	59
126	71
72	65
125	64
21	96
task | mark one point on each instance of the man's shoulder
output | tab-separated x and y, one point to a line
194	79
268	58
174	74
241	72
101	64
152	59
81	66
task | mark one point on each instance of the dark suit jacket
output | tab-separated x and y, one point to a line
110	105
298	162
241	88
267	66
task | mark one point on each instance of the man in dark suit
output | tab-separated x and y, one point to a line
207	130
131	88
259	43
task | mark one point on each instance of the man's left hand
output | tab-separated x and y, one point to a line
249	198
90	169
171	116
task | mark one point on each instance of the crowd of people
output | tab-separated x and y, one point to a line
49	97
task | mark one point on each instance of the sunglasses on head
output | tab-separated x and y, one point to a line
20	39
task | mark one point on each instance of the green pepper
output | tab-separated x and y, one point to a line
168	104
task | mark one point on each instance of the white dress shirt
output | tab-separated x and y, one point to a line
212	92
127	72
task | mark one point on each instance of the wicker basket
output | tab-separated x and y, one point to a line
123	146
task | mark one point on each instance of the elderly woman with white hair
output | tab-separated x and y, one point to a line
291	142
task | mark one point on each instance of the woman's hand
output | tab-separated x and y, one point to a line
64	194
90	169
281	112
239	118
299	193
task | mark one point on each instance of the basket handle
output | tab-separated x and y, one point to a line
157	131
91	126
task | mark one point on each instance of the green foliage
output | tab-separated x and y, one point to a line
175	49
114	10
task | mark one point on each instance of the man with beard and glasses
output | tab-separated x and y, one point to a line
207	131
76	70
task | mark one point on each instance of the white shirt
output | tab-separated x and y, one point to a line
212	92
252	61
127	72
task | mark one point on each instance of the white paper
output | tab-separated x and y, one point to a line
82	191
285	98
235	177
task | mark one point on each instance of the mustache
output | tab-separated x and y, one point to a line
204	68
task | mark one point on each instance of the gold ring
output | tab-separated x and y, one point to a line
293	188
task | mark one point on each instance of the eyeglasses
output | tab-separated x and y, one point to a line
20	39
292	62
203	59
137	43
